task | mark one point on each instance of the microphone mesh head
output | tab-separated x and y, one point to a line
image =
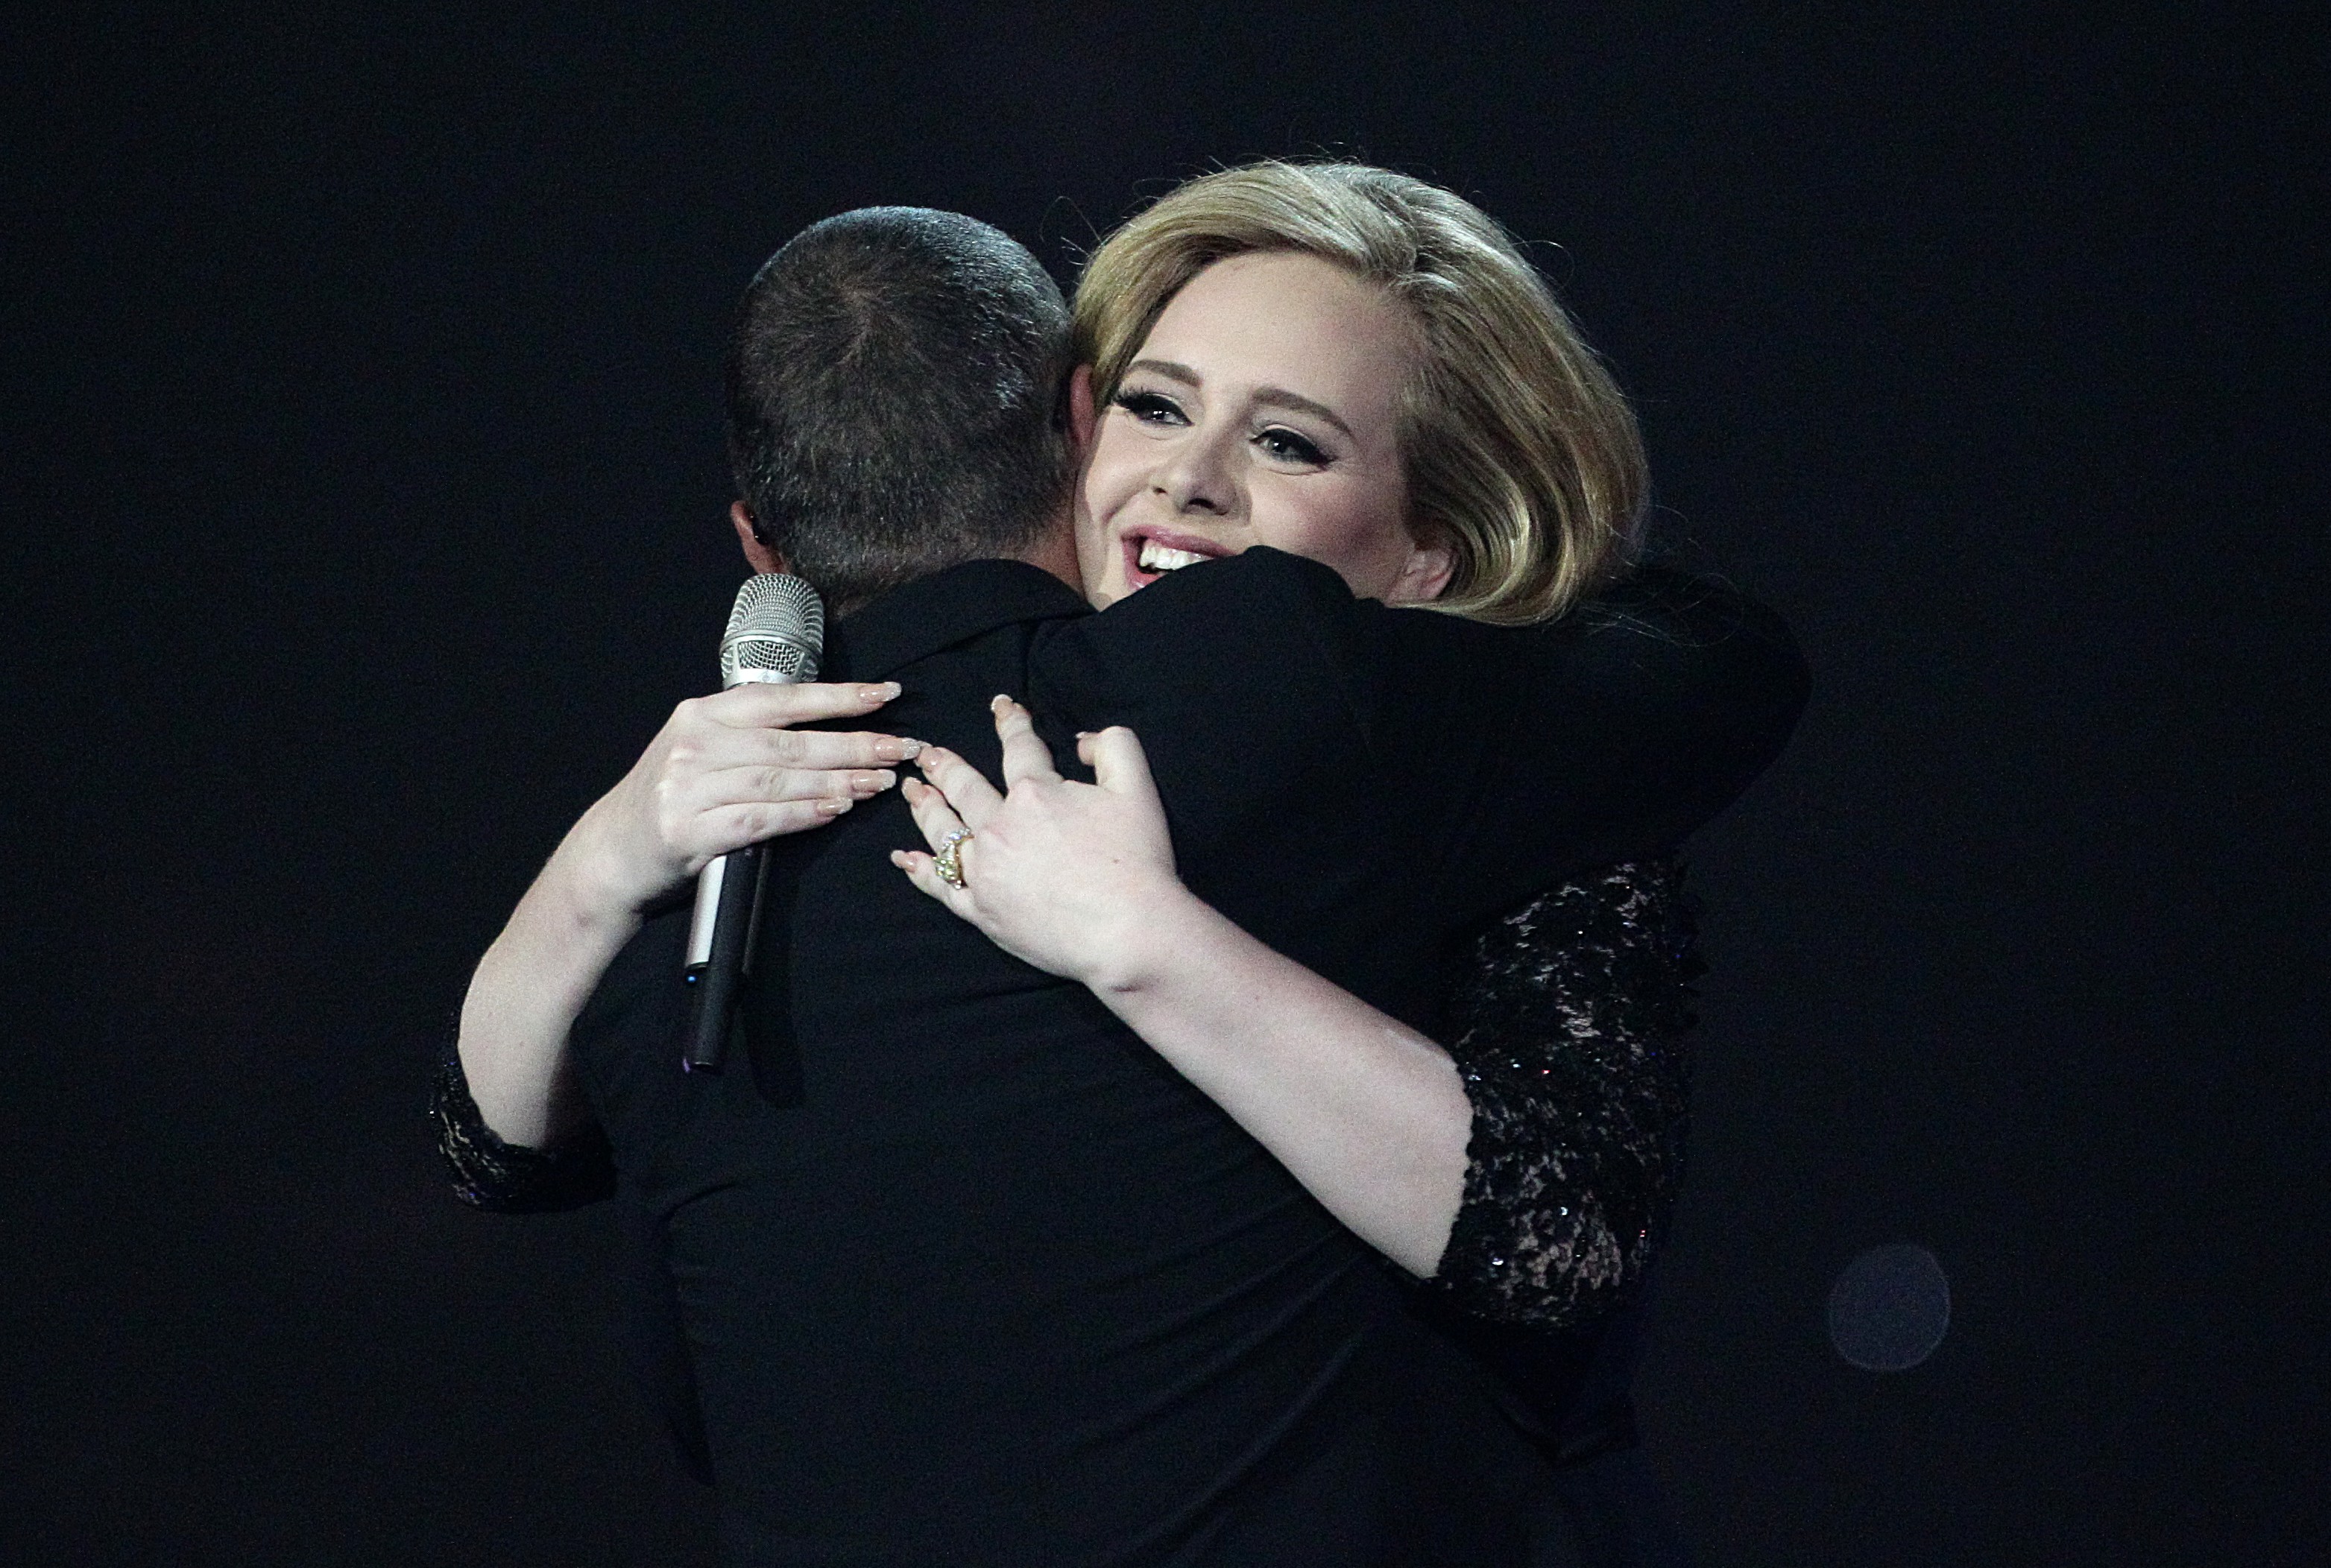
779	625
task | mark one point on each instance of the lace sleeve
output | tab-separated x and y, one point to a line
509	1178
1568	1023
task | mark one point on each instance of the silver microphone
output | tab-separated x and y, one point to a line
775	632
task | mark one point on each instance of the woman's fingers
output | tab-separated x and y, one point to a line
1025	755
1120	764
721	745
752	721
751	783
967	789
724	772
923	871
717	831
763	704
1121	775
932	815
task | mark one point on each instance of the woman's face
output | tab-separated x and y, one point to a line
1259	410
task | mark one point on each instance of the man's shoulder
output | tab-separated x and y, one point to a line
963	604
1256	578
1261	630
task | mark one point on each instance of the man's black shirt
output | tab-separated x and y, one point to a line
968	1274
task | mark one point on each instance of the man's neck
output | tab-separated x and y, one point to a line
1055	551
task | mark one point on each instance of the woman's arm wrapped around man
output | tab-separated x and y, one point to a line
1524	1170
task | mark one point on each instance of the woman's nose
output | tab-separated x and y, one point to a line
1197	478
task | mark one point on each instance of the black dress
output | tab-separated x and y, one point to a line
967	1276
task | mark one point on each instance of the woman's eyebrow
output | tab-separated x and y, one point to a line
1268	397
1168	369
1280	397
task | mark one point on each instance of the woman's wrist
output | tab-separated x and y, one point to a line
596	885
1158	934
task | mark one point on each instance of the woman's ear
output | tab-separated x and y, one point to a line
757	555
1081	419
1425	574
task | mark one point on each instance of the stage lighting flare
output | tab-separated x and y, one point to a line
1890	1307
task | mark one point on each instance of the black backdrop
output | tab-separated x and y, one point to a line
363	496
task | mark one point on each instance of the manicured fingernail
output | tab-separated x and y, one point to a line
999	702
880	691
874	783
897	748
834	808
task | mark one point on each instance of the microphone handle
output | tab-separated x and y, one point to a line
728	891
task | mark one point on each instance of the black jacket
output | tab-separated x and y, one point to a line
967	1273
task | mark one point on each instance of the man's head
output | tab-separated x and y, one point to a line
895	399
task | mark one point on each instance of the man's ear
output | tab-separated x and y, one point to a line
762	557
1081	418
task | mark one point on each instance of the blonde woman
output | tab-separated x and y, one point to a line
1349	365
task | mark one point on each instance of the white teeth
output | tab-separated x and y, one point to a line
1158	558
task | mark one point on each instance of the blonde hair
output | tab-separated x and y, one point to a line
1518	449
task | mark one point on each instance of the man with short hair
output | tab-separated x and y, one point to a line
895	403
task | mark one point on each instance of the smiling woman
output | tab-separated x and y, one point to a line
1345	364
1204	448
1371	332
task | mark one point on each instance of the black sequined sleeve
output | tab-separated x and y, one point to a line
509	1178
1568	1023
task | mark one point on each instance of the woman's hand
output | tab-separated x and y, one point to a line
1070	877
1078	880
724	772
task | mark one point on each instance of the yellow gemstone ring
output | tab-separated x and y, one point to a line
947	860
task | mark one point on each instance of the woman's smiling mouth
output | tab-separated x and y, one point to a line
1152	553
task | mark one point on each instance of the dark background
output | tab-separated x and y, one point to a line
363	496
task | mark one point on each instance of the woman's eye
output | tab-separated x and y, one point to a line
1150	407
1289	447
